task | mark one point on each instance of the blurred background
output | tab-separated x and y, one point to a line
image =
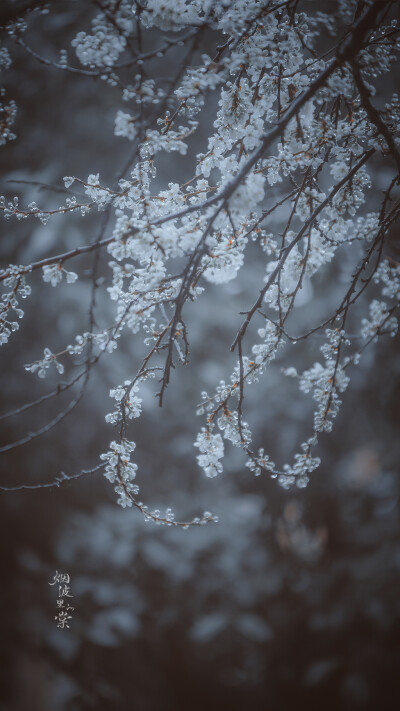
293	598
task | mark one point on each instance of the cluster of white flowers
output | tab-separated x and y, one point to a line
5	59
169	141
285	120
16	282
389	277
97	194
379	318
381	314
17	27
121	471
303	465
228	423
8	113
212	450
54	273
125	125
327	380
170	16
129	405
143	91
42	366
261	463
103	47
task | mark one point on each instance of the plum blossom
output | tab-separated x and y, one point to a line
281	179
211	451
54	274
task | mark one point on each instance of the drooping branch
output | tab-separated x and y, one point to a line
62	478
269	129
286	251
374	115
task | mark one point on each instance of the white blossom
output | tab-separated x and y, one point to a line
54	273
211	449
283	173
125	125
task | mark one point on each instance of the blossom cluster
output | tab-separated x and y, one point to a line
103	46
284	169
119	470
16	282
